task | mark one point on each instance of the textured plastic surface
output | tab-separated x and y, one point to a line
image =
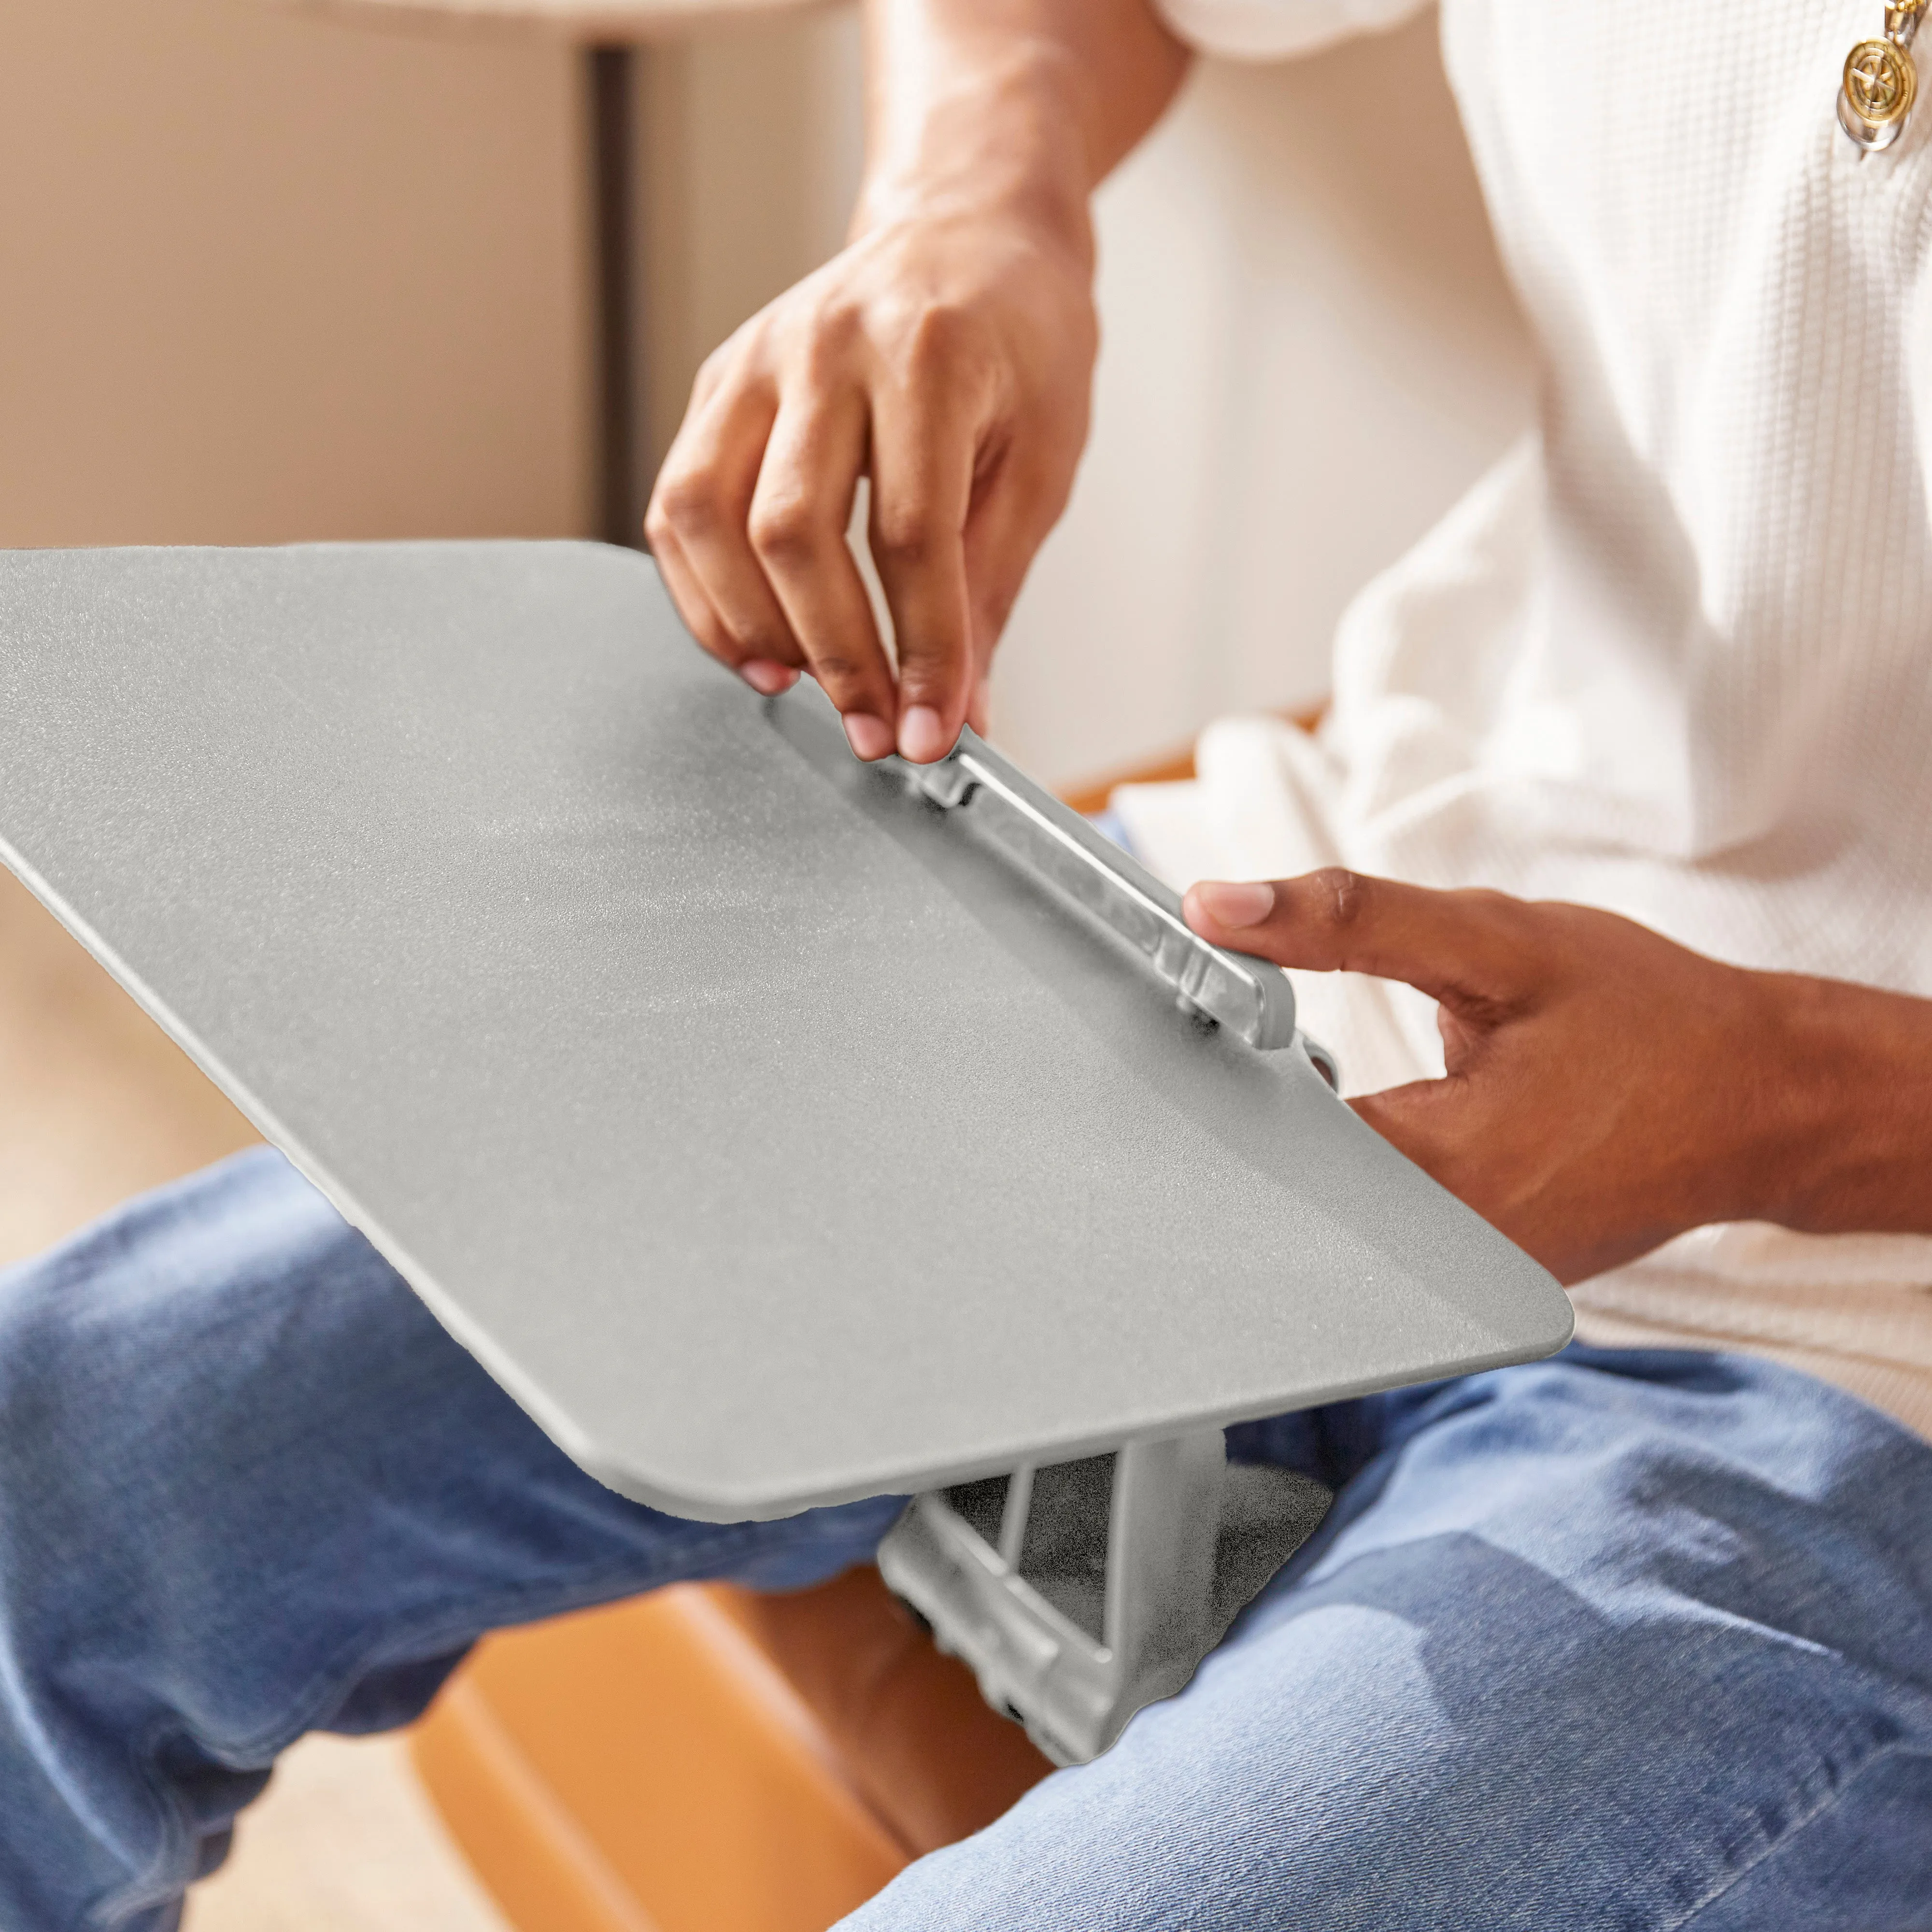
770	1140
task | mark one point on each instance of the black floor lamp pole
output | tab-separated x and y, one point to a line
613	163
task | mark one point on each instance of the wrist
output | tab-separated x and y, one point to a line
1003	144
1847	1087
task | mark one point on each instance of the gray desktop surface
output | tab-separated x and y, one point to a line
770	1138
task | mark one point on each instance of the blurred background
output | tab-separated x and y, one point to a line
273	272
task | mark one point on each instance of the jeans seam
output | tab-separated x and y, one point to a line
1825	1805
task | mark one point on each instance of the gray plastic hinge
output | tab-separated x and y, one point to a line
1079	1592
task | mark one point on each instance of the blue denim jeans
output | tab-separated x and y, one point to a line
1630	1640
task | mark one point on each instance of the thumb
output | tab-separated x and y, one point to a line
1472	951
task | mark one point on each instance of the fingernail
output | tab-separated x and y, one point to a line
921	737
1234	905
767	675
869	737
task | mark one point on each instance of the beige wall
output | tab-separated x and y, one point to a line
264	275
1309	353
751	148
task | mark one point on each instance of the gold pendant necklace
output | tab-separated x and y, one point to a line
1881	82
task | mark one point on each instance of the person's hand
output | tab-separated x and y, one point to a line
947	354
1605	1090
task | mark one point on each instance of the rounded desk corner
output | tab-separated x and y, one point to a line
1564	1326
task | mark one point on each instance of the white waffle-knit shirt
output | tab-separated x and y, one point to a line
1673	656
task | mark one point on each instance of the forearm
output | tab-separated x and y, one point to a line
1853	1147
1029	101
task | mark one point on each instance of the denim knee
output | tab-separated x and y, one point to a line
1591	1642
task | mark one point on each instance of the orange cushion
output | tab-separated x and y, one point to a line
708	1758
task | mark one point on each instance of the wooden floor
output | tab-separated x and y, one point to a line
96	1105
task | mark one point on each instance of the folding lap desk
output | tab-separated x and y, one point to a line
776	1134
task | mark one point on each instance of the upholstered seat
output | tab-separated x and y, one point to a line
707	1758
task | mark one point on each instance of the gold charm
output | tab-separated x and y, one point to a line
1881	82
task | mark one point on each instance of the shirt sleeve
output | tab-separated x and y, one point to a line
1272	29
